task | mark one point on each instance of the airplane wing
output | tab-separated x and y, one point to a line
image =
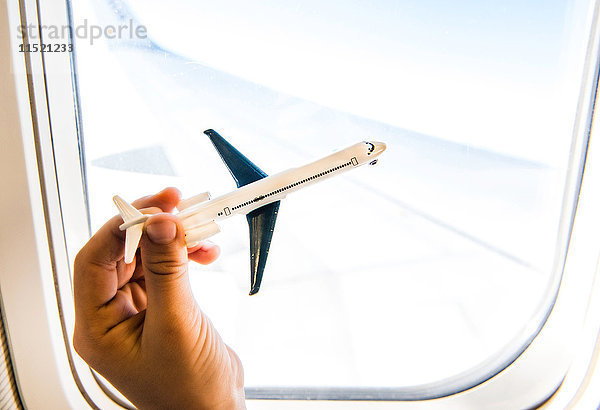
261	221
241	168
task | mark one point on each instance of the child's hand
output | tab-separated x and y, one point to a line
139	325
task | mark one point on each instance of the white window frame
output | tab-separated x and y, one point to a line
40	164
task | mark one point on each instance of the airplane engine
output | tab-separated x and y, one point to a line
195	200
195	235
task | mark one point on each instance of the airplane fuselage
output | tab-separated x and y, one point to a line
199	220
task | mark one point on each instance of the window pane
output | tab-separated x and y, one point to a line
404	273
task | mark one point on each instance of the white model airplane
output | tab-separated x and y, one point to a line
257	197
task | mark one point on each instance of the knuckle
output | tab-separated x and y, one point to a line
161	265
77	263
88	344
90	351
82	346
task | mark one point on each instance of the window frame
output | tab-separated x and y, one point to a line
43	111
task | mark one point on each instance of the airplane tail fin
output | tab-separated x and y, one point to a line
133	225
241	168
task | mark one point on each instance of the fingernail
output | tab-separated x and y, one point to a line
162	232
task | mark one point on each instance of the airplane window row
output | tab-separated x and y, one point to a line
294	184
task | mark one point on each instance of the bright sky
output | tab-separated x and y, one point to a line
499	75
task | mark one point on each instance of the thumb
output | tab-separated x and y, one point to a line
165	266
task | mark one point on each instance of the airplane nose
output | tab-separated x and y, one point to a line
379	147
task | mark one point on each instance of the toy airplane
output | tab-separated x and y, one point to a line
257	197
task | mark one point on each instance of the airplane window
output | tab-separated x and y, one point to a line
476	102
